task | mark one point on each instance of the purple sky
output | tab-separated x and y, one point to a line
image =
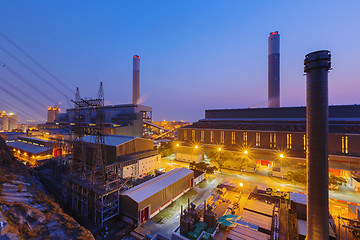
195	55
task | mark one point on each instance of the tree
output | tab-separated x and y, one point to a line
300	177
335	181
166	149
217	156
241	161
296	176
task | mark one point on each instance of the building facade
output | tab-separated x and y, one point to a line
125	119
8	121
267	130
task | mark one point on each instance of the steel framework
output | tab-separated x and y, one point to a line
92	188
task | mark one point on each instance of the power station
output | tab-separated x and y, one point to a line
274	70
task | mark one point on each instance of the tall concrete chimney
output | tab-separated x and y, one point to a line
136	79
317	64
274	70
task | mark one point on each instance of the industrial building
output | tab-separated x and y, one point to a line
124	158
147	199
52	113
123	119
29	151
11	136
265	132
134	157
8	121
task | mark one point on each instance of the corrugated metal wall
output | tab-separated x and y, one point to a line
131	209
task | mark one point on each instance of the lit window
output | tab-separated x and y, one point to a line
185	134
257	139
304	138
271	142
222	134
232	137
344	144
202	136
211	136
288	141
193	135
245	138
274	140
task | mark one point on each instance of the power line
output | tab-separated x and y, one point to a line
33	71
55	39
10	106
21	91
35	61
13	72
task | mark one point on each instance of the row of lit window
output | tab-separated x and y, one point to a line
344	139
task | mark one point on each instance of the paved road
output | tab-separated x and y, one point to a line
261	176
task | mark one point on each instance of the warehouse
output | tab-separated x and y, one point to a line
134	157
147	199
29	152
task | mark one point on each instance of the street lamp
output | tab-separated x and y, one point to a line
177	145
219	149
196	146
281	155
240	191
246	152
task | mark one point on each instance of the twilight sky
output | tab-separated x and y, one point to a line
195	55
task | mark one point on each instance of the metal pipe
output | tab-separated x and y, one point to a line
317	64
136	79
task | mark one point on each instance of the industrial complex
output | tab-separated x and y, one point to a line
104	164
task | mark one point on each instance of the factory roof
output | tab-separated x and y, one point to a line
57	131
260	220
12	133
110	140
27	147
242	232
121	106
155	185
259	207
298	198
338	111
34	139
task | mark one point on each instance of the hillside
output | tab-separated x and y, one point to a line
26	211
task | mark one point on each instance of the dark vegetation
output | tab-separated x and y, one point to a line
26	220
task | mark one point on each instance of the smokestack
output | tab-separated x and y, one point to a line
274	70
136	79
317	64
